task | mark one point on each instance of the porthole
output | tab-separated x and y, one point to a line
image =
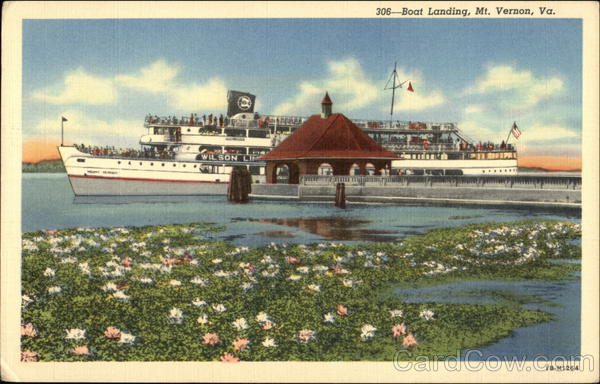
140	163
151	163
81	160
183	165
174	164
129	162
163	164
194	166
119	162
188	130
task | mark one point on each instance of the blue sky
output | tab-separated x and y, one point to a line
106	75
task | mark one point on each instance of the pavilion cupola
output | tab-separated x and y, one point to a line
326	106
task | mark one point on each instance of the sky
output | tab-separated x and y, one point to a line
105	75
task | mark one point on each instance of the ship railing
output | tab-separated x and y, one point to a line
403	125
445	147
554	182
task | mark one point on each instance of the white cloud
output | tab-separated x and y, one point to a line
346	83
155	78
473	108
80	88
83	128
209	96
546	132
518	89
422	98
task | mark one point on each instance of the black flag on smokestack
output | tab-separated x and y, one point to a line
239	102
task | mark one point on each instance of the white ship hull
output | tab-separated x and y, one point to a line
113	176
465	167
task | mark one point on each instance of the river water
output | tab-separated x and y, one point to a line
48	203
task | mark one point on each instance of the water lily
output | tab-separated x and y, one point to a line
305	336
267	325
27	330
314	287
81	350
75	334
341	310
426	314
109	287
367	332
409	341
175	316
199	281
294	277
198	302
49	272
396	313
240	324
219	307
54	290
146	280
269	342
127	338
329	318
211	339
262	317
202	319
112	333
241	344
120	295
398	330
28	356
229	358
175	283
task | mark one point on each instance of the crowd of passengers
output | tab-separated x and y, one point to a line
221	121
459	145
147	153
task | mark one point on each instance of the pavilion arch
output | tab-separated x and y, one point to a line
286	172
355	169
371	169
325	169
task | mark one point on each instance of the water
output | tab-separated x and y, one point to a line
48	203
557	338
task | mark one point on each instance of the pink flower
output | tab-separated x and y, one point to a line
126	262
341	310
293	260
249	268
51	232
28	356
170	261
268	325
112	333
399	330
229	358
241	344
82	350
305	336
211	339
28	330
339	270
409	341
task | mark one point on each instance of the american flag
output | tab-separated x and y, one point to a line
516	131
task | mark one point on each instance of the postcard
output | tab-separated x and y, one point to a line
300	191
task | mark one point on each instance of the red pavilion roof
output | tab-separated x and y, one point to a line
326	99
333	137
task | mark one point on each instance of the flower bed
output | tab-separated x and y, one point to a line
166	293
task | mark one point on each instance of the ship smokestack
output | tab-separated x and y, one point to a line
326	106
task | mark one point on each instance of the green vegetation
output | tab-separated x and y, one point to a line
169	293
44	166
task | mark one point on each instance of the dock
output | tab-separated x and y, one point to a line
559	191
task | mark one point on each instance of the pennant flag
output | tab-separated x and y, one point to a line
516	131
64	118
410	88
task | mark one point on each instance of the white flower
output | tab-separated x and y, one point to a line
302	269
49	272
396	313
198	303
175	283
367	332
120	295
426	314
219	307
175	316
294	277
221	273
247	286
262	317
217	261
319	268
199	281
85	268
109	287
146	280
75	334
269	342
54	290
314	287
328	318
202	319
126	338
351	283
240	324
26	300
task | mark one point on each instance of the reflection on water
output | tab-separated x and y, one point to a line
331	228
277	234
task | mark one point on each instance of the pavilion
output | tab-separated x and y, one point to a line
328	138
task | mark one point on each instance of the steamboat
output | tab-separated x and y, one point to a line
195	155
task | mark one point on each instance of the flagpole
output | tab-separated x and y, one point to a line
393	94
509	132
62	131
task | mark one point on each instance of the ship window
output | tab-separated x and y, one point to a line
129	162
188	129
140	163
81	160
163	164
151	163
183	165
194	165
174	165
119	162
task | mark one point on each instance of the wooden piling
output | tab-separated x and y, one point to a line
240	185
340	195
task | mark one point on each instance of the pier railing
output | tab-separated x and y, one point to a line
475	181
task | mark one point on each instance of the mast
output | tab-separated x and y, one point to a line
393	78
